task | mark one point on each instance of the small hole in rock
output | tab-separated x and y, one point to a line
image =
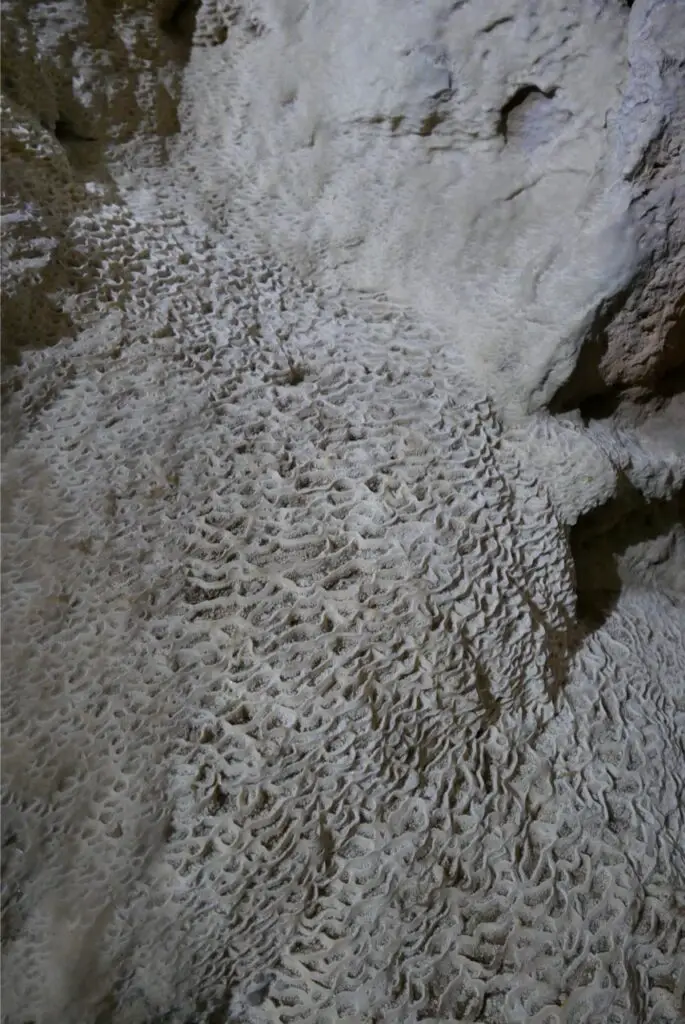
521	96
179	24
66	133
296	374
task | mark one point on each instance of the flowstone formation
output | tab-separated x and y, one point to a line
337	687
512	171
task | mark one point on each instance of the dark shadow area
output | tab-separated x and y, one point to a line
671	384
599	539
85	153
524	95
34	315
178	25
31	319
600	407
66	134
586	388
586	382
636	405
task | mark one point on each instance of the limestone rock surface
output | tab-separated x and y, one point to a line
513	171
639	343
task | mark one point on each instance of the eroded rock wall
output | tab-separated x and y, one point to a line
511	171
77	79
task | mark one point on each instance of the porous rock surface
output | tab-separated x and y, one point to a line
315	708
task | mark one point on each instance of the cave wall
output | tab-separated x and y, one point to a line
513	172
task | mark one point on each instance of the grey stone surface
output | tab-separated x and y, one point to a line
513	172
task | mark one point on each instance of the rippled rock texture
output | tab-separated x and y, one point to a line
336	687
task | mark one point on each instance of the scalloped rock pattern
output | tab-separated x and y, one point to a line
306	730
300	725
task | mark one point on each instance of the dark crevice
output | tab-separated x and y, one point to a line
65	133
600	407
179	25
523	93
586	389
180	22
671	384
631	405
586	382
600	538
505	19
84	152
634	405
